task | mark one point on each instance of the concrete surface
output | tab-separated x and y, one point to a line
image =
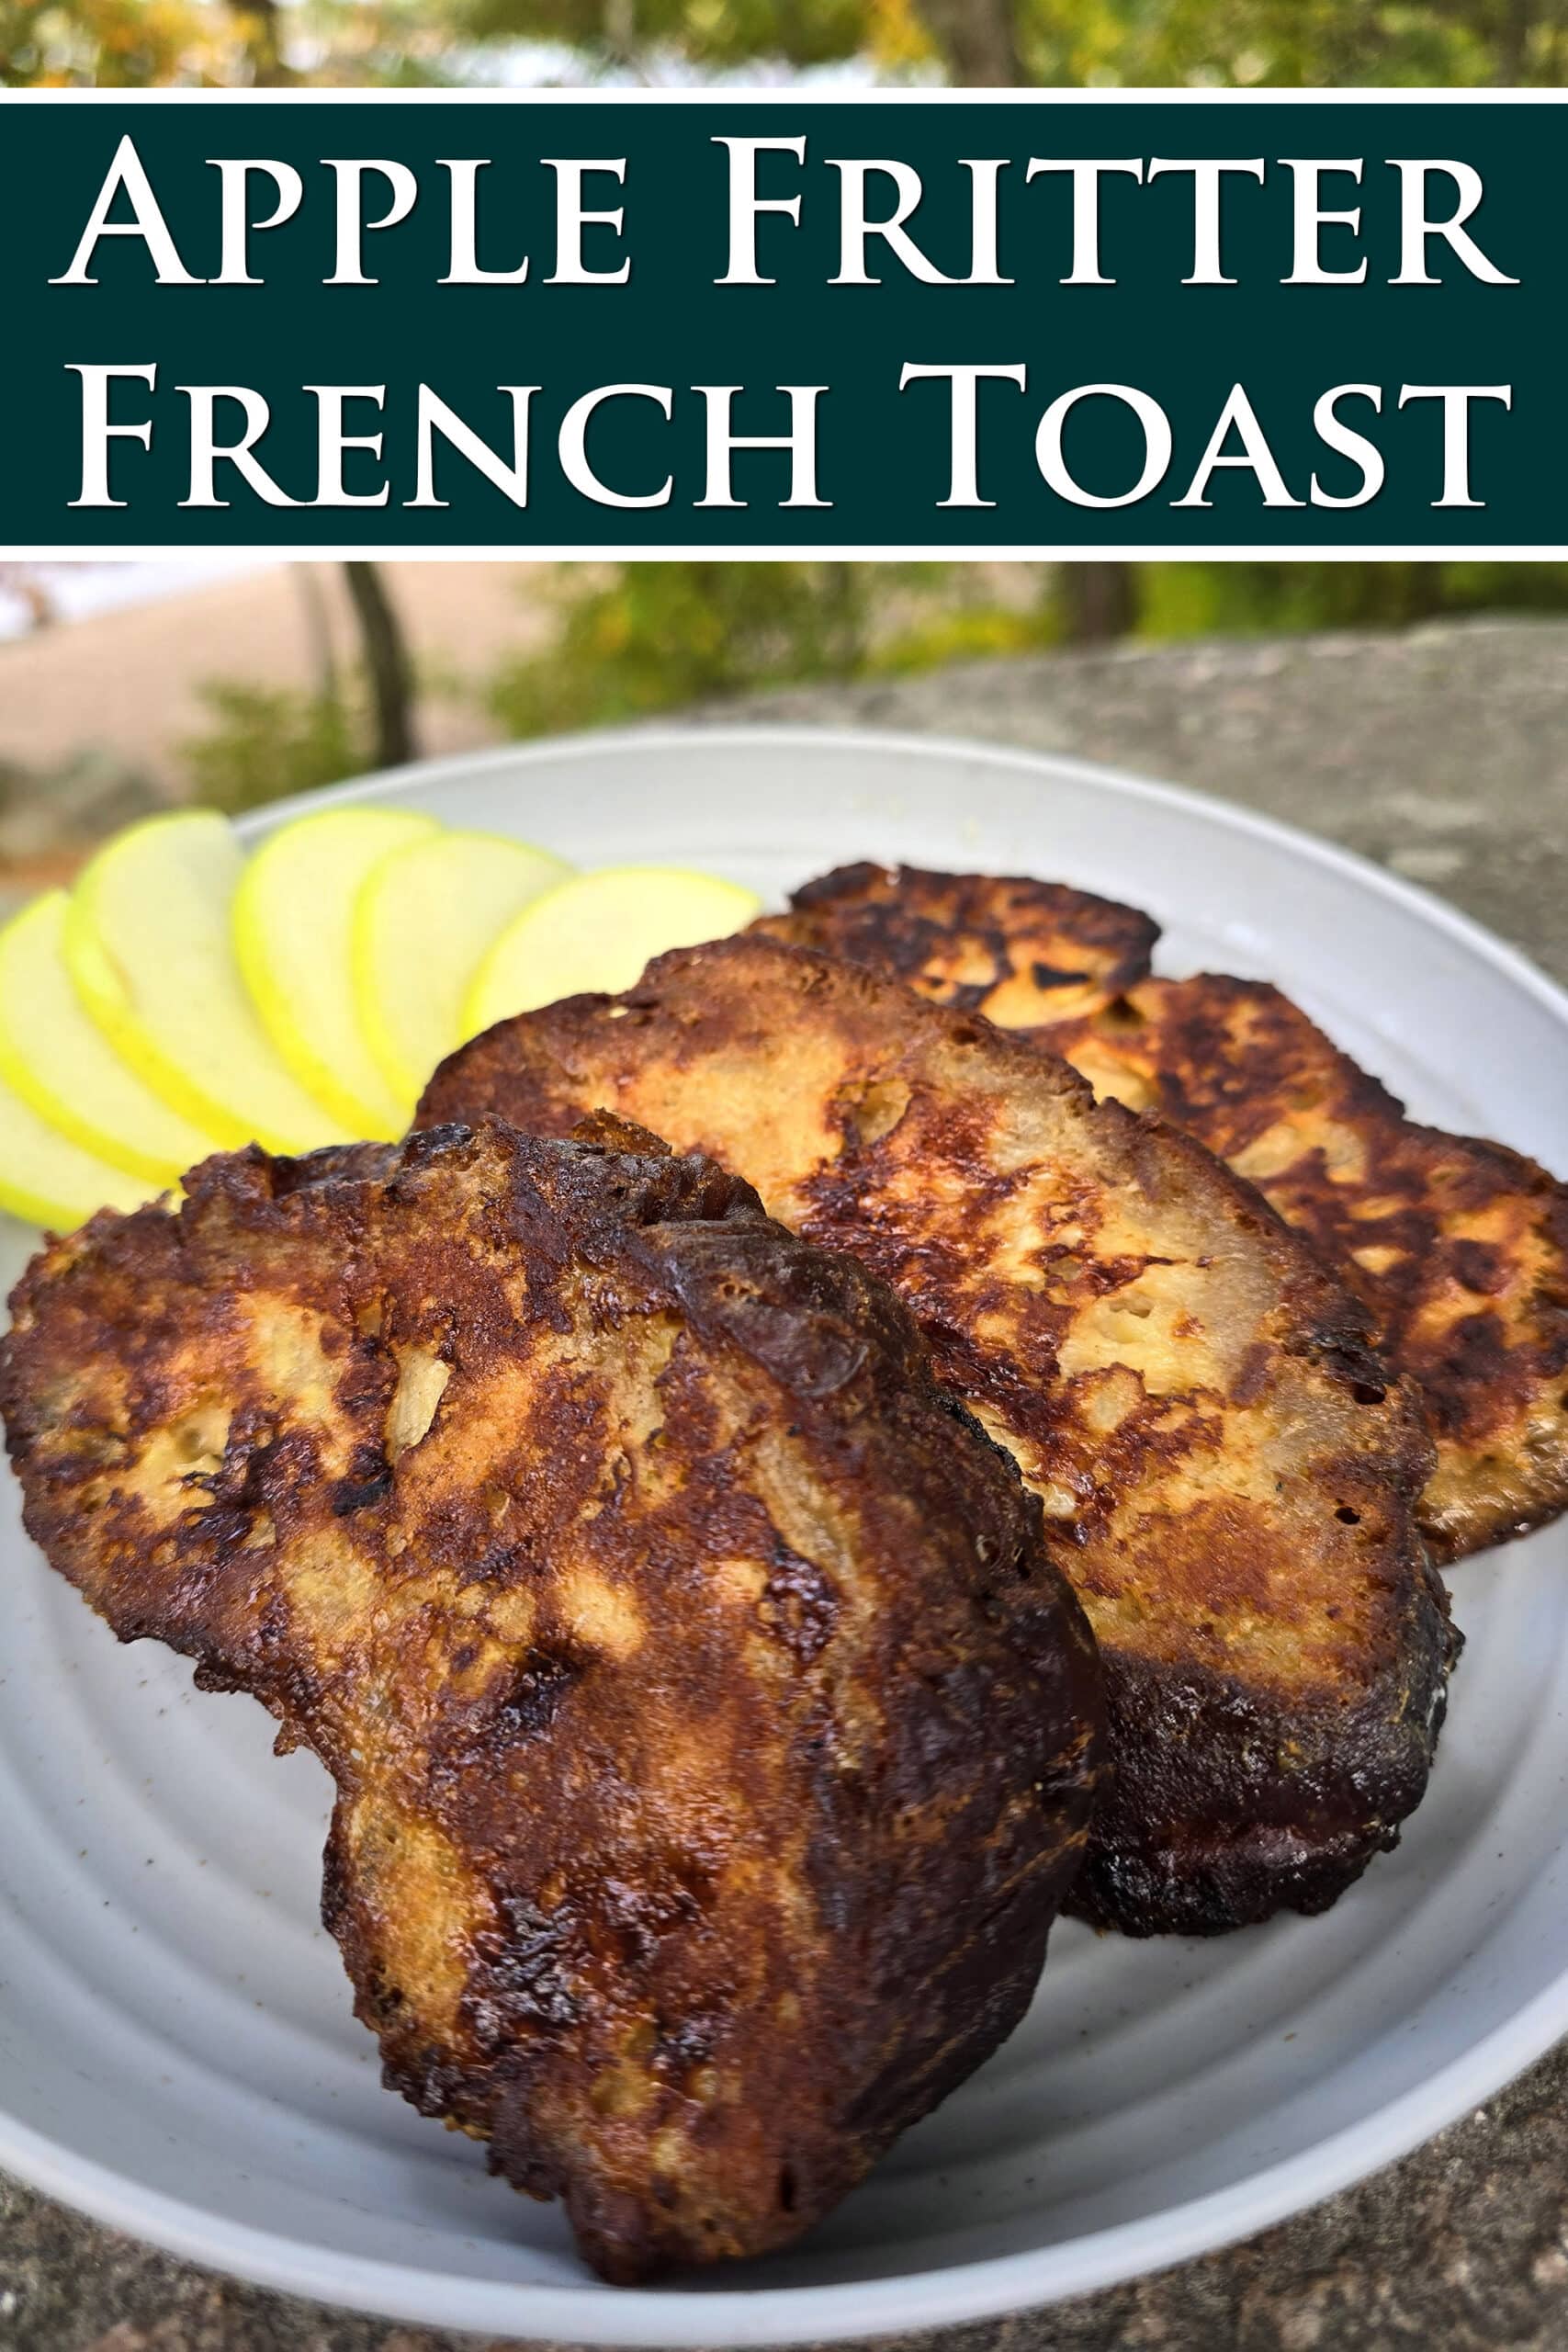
1443	751
1444	754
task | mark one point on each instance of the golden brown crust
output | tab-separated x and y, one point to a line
1020	952
1227	1472
712	1738
1458	1247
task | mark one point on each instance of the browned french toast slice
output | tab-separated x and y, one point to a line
1229	1473
1458	1247
714	1739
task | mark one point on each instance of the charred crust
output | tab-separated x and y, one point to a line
713	1738
1174	1566
1261	1807
962	937
1457	1248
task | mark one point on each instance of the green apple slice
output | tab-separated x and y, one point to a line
423	920
45	1179
293	929
59	1062
596	933
148	947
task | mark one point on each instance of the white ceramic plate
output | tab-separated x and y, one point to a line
177	2053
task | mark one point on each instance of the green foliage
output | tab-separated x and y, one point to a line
968	631
1244	599
634	639
82	798
1200	43
114	44
266	741
225	44
1297	43
651	635
714	34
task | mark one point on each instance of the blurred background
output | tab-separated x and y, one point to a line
1206	43
126	686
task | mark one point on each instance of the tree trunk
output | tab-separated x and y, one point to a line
1513	42
978	40
318	631
1098	599
387	662
33	593
30	588
261	33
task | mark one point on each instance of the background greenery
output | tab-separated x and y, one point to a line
1215	43
626	641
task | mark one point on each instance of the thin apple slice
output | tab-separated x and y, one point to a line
148	947
423	920
596	933
293	931
45	1179
59	1062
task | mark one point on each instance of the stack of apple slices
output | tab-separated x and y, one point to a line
185	999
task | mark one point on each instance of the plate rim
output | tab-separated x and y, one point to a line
596	2314
734	734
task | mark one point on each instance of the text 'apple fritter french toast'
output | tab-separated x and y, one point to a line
714	1739
1227	1472
1458	1247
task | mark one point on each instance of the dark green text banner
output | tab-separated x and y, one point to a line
878	325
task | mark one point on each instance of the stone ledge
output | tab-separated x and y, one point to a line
1440	752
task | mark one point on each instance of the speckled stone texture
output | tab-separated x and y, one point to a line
1444	754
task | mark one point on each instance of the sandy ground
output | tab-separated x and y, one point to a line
128	682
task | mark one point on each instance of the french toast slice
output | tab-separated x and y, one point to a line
1020	952
1458	1247
1227	1471
712	1738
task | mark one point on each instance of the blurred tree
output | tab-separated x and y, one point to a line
1218	43
116	44
387	663
634	638
225	44
642	636
1201	43
610	34
259	29
264	743
1304	44
28	584
316	614
1235	599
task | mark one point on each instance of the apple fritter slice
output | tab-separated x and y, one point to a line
1227	1471
1458	1247
713	1740
1018	950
